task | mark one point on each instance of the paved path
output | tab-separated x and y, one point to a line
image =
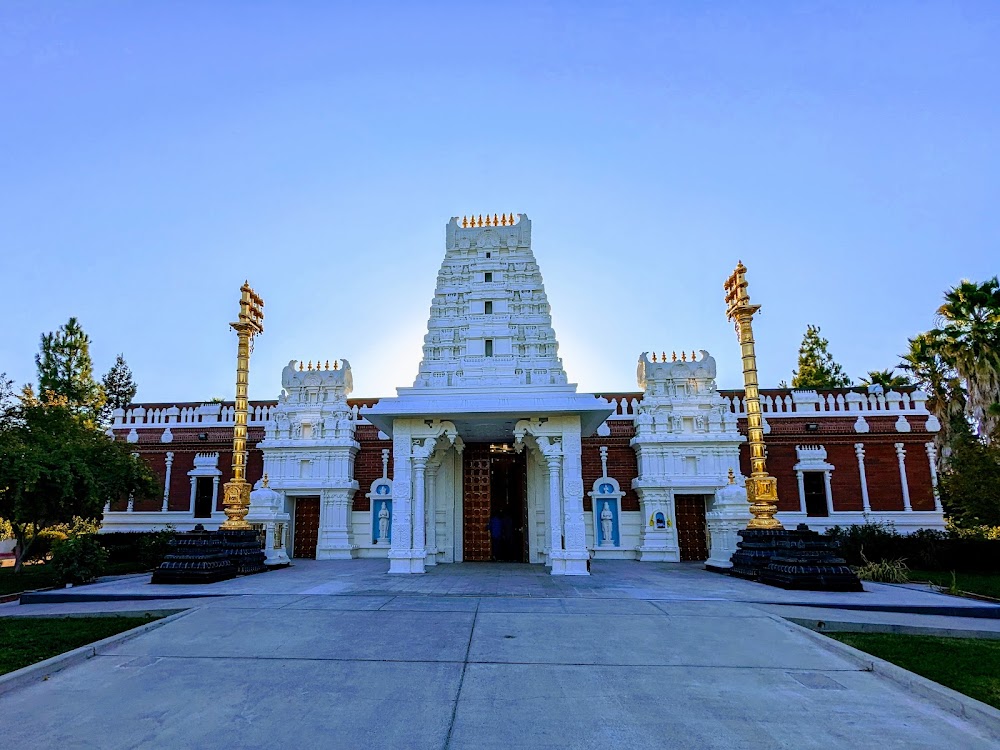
476	656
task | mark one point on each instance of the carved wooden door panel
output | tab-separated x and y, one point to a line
306	527
476	503
691	530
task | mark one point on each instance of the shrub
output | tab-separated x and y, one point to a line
884	571
79	559
43	544
145	548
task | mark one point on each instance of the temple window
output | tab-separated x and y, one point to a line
489	347
488	307
488	277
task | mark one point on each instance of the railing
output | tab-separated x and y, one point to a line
204	415
798	403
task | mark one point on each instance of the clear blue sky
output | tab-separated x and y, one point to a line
156	154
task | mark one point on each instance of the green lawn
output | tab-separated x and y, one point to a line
985	584
968	665
27	640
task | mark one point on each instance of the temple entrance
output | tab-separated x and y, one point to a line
306	531
691	527
494	512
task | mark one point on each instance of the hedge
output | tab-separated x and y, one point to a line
925	549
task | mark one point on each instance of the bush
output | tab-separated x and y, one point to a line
929	549
45	541
79	559
144	548
884	571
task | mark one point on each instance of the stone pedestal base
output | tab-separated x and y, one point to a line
806	561
195	557
570	564
754	552
406	561
334	553
244	549
659	554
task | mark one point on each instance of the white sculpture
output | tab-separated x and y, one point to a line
383	523
607	526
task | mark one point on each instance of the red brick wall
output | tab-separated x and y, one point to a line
622	464
368	462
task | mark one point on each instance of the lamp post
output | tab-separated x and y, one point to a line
236	493
762	489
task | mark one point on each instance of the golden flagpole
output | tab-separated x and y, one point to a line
762	489
236	493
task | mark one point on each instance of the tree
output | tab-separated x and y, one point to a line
119	387
970	485
968	340
7	401
888	379
65	369
939	380
54	466
817	369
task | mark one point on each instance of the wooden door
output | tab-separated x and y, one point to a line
306	531
476	545
691	528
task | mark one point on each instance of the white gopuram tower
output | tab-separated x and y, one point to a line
309	449
490	373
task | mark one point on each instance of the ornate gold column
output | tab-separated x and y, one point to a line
762	489
236	493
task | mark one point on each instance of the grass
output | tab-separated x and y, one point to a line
985	584
28	640
968	665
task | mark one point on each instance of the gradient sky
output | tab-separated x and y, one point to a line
156	154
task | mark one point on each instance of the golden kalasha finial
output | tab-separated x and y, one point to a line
503	220
693	358
654	356
264	480
480	223
673	356
495	223
327	365
310	365
684	356
465	222
301	367
335	365
663	356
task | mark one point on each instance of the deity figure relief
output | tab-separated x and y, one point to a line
607	526
383	523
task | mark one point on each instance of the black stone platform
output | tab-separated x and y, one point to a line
244	549
805	560
799	559
195	556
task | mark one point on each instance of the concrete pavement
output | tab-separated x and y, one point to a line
474	656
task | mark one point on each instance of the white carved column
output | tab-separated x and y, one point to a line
901	457
166	482
403	558
932	460
419	511
575	530
131	497
194	484
800	478
215	492
431	507
859	451
554	460
829	492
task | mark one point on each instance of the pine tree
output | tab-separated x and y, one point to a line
817	369
119	386
65	368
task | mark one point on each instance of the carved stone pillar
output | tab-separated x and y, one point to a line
194	485
829	492
859	451
932	460
215	493
419	503
404	556
166	482
575	532
800	479
431	506
334	541
901	457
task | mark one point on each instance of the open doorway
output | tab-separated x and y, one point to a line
494	511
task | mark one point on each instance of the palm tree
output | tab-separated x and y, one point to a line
889	379
946	397
968	339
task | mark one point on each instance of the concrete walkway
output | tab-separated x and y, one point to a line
339	654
